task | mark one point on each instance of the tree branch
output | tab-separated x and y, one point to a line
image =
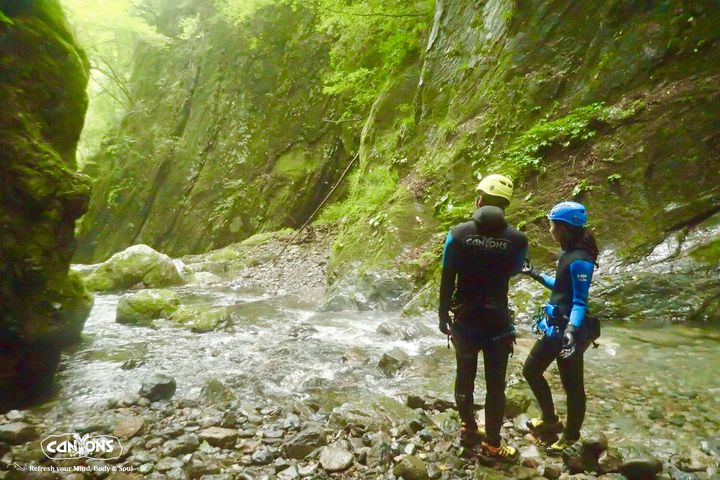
109	71
105	90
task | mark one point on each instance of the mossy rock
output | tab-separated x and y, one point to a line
411	468
372	414
142	307
199	318
708	253
42	109
516	403
224	254
262	238
138	264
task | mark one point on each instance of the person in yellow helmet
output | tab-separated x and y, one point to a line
480	257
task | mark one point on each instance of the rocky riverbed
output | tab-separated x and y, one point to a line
217	436
296	382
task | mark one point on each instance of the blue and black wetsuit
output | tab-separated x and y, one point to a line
567	306
480	257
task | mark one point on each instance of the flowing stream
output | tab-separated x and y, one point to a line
655	387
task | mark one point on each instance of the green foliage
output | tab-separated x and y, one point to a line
369	191
234	193
449	212
4	19
373	39
581	187
240	10
614	178
114	193
708	253
526	153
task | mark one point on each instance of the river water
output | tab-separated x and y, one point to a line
654	387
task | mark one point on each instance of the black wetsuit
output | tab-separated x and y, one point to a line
567	305
480	257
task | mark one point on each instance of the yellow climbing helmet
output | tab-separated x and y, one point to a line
496	185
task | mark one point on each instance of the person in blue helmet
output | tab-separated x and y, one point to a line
566	328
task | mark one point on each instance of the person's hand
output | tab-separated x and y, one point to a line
510	342
527	268
568	347
444	324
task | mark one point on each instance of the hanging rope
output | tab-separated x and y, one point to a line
312	215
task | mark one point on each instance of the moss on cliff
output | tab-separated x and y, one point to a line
623	118
42	107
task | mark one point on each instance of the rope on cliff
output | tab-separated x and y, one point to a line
312	215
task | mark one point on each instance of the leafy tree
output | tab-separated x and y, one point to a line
374	38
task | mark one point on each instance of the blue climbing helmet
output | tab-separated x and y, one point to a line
572	213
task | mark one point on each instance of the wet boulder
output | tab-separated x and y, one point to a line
393	361
411	468
516	403
139	264
201	318
128	427
336	458
302	444
184	444
262	456
157	387
610	461
219	437
17	433
370	414
214	391
427	402
378	290
405	329
205	279
141	308
641	467
580	458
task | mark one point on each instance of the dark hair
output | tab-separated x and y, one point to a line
495	201
578	237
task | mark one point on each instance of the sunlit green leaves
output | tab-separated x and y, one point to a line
109	32
373	38
240	10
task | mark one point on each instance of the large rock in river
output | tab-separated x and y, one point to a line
157	387
141	308
42	109
201	318
138	264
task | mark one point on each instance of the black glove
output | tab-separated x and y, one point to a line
445	322
529	269
568	346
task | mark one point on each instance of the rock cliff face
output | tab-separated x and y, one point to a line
43	76
614	104
227	135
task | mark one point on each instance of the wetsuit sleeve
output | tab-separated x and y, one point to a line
581	273
449	274
546	281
